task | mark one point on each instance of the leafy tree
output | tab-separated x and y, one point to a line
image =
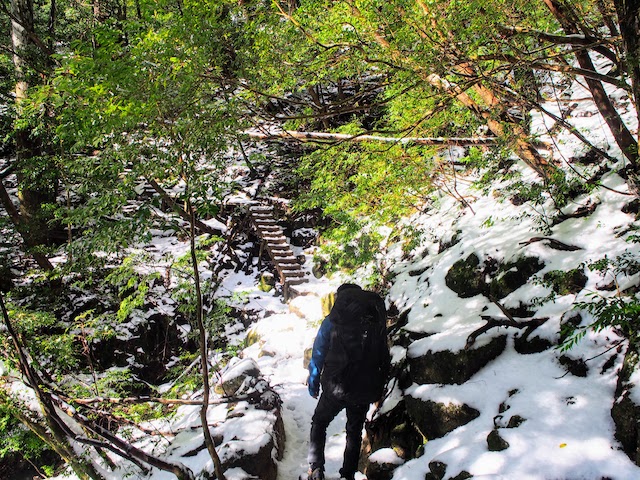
430	68
134	103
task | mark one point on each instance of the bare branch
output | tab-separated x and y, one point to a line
493	322
121	447
200	225
594	43
509	321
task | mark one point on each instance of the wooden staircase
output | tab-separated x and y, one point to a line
287	264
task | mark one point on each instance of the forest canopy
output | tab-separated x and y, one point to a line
119	118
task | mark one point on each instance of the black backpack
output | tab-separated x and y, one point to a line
357	363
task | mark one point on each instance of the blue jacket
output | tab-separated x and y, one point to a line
319	353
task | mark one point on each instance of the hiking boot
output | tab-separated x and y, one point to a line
347	476
316	474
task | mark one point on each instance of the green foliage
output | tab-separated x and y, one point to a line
15	438
620	311
356	185
148	97
366	180
132	285
215	310
411	238
142	412
349	246
185	380
48	343
118	383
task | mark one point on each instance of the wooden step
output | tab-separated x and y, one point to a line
291	274
272	231
288	266
297	268
280	247
285	258
274	234
291	265
263	218
260	208
269	226
275	240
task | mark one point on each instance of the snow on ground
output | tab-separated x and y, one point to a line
568	432
284	336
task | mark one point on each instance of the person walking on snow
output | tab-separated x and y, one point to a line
350	360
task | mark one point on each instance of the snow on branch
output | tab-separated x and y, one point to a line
342	137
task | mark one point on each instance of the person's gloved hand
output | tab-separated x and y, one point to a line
314	386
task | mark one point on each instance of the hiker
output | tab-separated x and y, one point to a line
350	360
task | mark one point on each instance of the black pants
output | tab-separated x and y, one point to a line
326	410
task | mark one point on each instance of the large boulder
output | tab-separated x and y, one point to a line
466	277
566	283
236	373
438	470
626	410
510	276
435	419
382	463
6	276
495	443
258	438
393	429
454	367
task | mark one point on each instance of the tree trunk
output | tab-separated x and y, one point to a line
104	10
26	217
204	350
517	135
37	180
628	12
21	24
41	259
570	23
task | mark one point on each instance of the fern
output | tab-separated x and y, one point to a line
620	311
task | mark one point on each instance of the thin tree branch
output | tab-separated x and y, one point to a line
204	357
121	447
594	43
200	225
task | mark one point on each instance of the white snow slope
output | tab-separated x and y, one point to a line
568	432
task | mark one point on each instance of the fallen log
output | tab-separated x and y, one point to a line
553	243
293	135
